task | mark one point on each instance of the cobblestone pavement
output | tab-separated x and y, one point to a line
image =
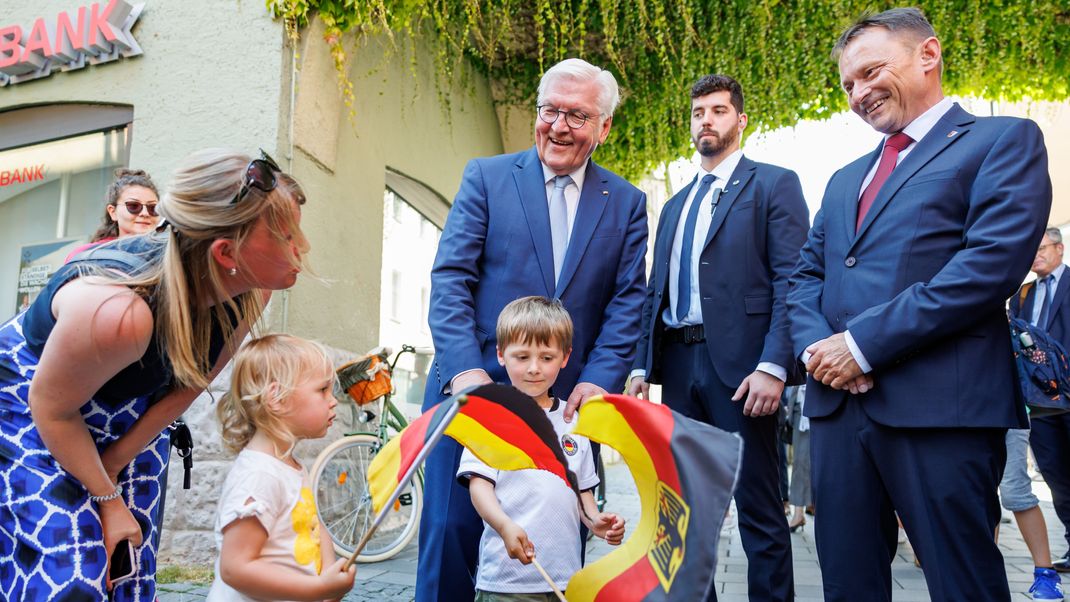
395	579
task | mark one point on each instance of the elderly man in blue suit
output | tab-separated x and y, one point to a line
546	221
897	308
715	323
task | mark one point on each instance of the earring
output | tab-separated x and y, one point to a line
233	271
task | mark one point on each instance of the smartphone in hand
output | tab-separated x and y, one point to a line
123	566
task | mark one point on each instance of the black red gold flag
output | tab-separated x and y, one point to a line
685	472
503	427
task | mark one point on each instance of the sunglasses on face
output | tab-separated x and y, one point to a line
260	174
135	207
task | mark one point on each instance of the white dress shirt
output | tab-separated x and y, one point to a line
572	193
723	173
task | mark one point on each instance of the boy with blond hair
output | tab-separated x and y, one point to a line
527	509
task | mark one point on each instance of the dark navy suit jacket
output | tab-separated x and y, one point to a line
496	247
923	283
751	248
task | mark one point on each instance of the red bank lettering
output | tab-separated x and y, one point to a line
100	31
22	175
10	52
37	42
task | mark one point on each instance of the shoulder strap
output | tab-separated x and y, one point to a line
1023	292
133	261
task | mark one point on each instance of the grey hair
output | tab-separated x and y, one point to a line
579	70
1055	234
897	20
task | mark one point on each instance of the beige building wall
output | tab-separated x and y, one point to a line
1054	120
399	123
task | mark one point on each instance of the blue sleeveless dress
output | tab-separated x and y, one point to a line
51	541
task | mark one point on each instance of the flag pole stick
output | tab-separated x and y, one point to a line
546	576
458	401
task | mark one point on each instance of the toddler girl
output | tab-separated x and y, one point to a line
272	545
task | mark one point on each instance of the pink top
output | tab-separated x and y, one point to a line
86	247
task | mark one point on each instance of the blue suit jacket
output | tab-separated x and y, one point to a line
922	285
496	247
751	248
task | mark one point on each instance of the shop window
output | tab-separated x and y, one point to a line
51	200
413	216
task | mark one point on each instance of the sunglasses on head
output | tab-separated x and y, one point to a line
260	174
135	207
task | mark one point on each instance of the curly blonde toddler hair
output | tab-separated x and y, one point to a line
267	368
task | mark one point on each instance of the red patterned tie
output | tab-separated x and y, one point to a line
892	147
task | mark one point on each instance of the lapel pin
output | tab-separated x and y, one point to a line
605	193
736	183
952	133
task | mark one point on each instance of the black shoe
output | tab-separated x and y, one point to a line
1062	565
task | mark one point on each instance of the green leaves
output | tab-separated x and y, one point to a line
777	49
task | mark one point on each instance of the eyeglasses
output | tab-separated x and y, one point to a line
135	207
259	174
574	119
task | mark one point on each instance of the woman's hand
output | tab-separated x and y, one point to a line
118	524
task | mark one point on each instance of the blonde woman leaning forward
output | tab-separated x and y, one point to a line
116	346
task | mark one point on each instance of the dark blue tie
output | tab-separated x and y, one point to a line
683	293
1045	305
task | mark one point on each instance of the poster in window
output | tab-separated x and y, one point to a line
37	263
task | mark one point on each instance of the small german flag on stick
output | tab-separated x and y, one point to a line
503	427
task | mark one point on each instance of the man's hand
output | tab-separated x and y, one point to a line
638	387
580	394
859	384
832	364
472	378
763	392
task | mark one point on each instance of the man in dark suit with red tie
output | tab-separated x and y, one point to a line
897	308
715	331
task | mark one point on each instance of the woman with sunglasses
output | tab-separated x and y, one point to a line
130	208
117	345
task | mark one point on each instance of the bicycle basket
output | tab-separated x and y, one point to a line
366	379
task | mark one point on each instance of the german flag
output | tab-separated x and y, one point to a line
503	427
679	465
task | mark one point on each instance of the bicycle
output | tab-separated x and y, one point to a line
340	473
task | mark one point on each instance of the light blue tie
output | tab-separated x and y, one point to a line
559	223
683	292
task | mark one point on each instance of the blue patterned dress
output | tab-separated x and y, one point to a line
51	541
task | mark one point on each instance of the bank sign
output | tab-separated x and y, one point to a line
92	34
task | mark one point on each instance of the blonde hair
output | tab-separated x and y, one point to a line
185	280
267	369
538	320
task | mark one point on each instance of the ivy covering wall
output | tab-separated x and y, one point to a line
778	50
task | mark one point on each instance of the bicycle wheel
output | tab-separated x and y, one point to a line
340	485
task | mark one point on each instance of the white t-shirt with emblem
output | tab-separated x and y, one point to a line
277	494
544	506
